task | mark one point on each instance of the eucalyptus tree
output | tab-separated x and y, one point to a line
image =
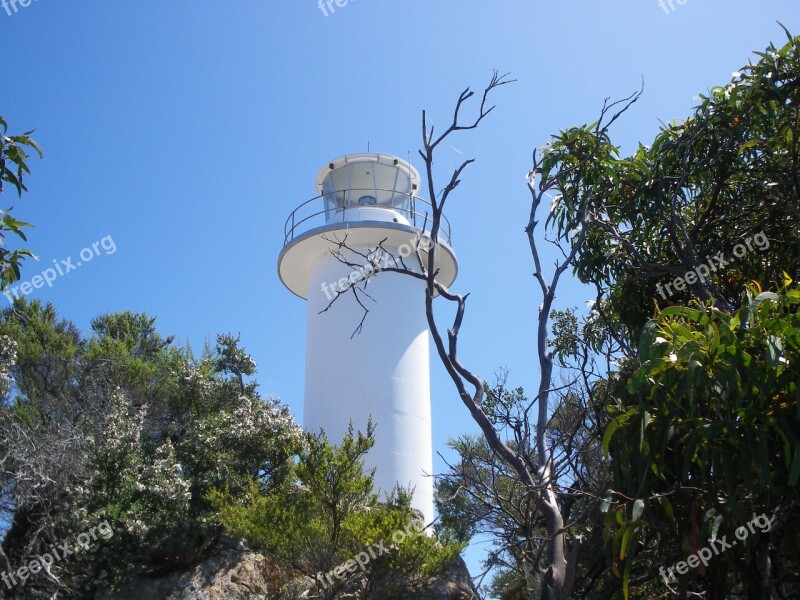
680	241
13	170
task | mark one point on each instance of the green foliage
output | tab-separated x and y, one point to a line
479	495
233	360
121	426
46	347
12	149
704	186
702	430
327	514
565	340
465	505
13	169
708	435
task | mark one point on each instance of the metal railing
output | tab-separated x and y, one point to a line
305	218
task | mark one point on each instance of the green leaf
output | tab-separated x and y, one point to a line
612	428
748	144
626	577
667	506
626	538
762	297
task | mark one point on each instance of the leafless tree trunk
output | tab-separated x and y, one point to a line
531	463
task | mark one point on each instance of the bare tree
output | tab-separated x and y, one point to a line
549	564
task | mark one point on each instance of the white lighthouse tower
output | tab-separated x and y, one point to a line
383	371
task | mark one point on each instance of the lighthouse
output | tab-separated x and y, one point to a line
375	364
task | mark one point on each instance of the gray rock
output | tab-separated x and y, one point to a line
237	573
234	573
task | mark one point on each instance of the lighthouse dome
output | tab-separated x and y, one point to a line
368	181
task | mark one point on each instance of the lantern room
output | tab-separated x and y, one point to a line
374	187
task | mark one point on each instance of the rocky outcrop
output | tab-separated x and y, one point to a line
235	572
454	583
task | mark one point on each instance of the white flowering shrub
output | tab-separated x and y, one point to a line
8	357
125	428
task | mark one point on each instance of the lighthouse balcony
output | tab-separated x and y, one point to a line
360	206
364	200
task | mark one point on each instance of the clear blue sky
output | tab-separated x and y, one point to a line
188	131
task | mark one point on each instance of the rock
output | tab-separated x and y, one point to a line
455	583
228	576
235	572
